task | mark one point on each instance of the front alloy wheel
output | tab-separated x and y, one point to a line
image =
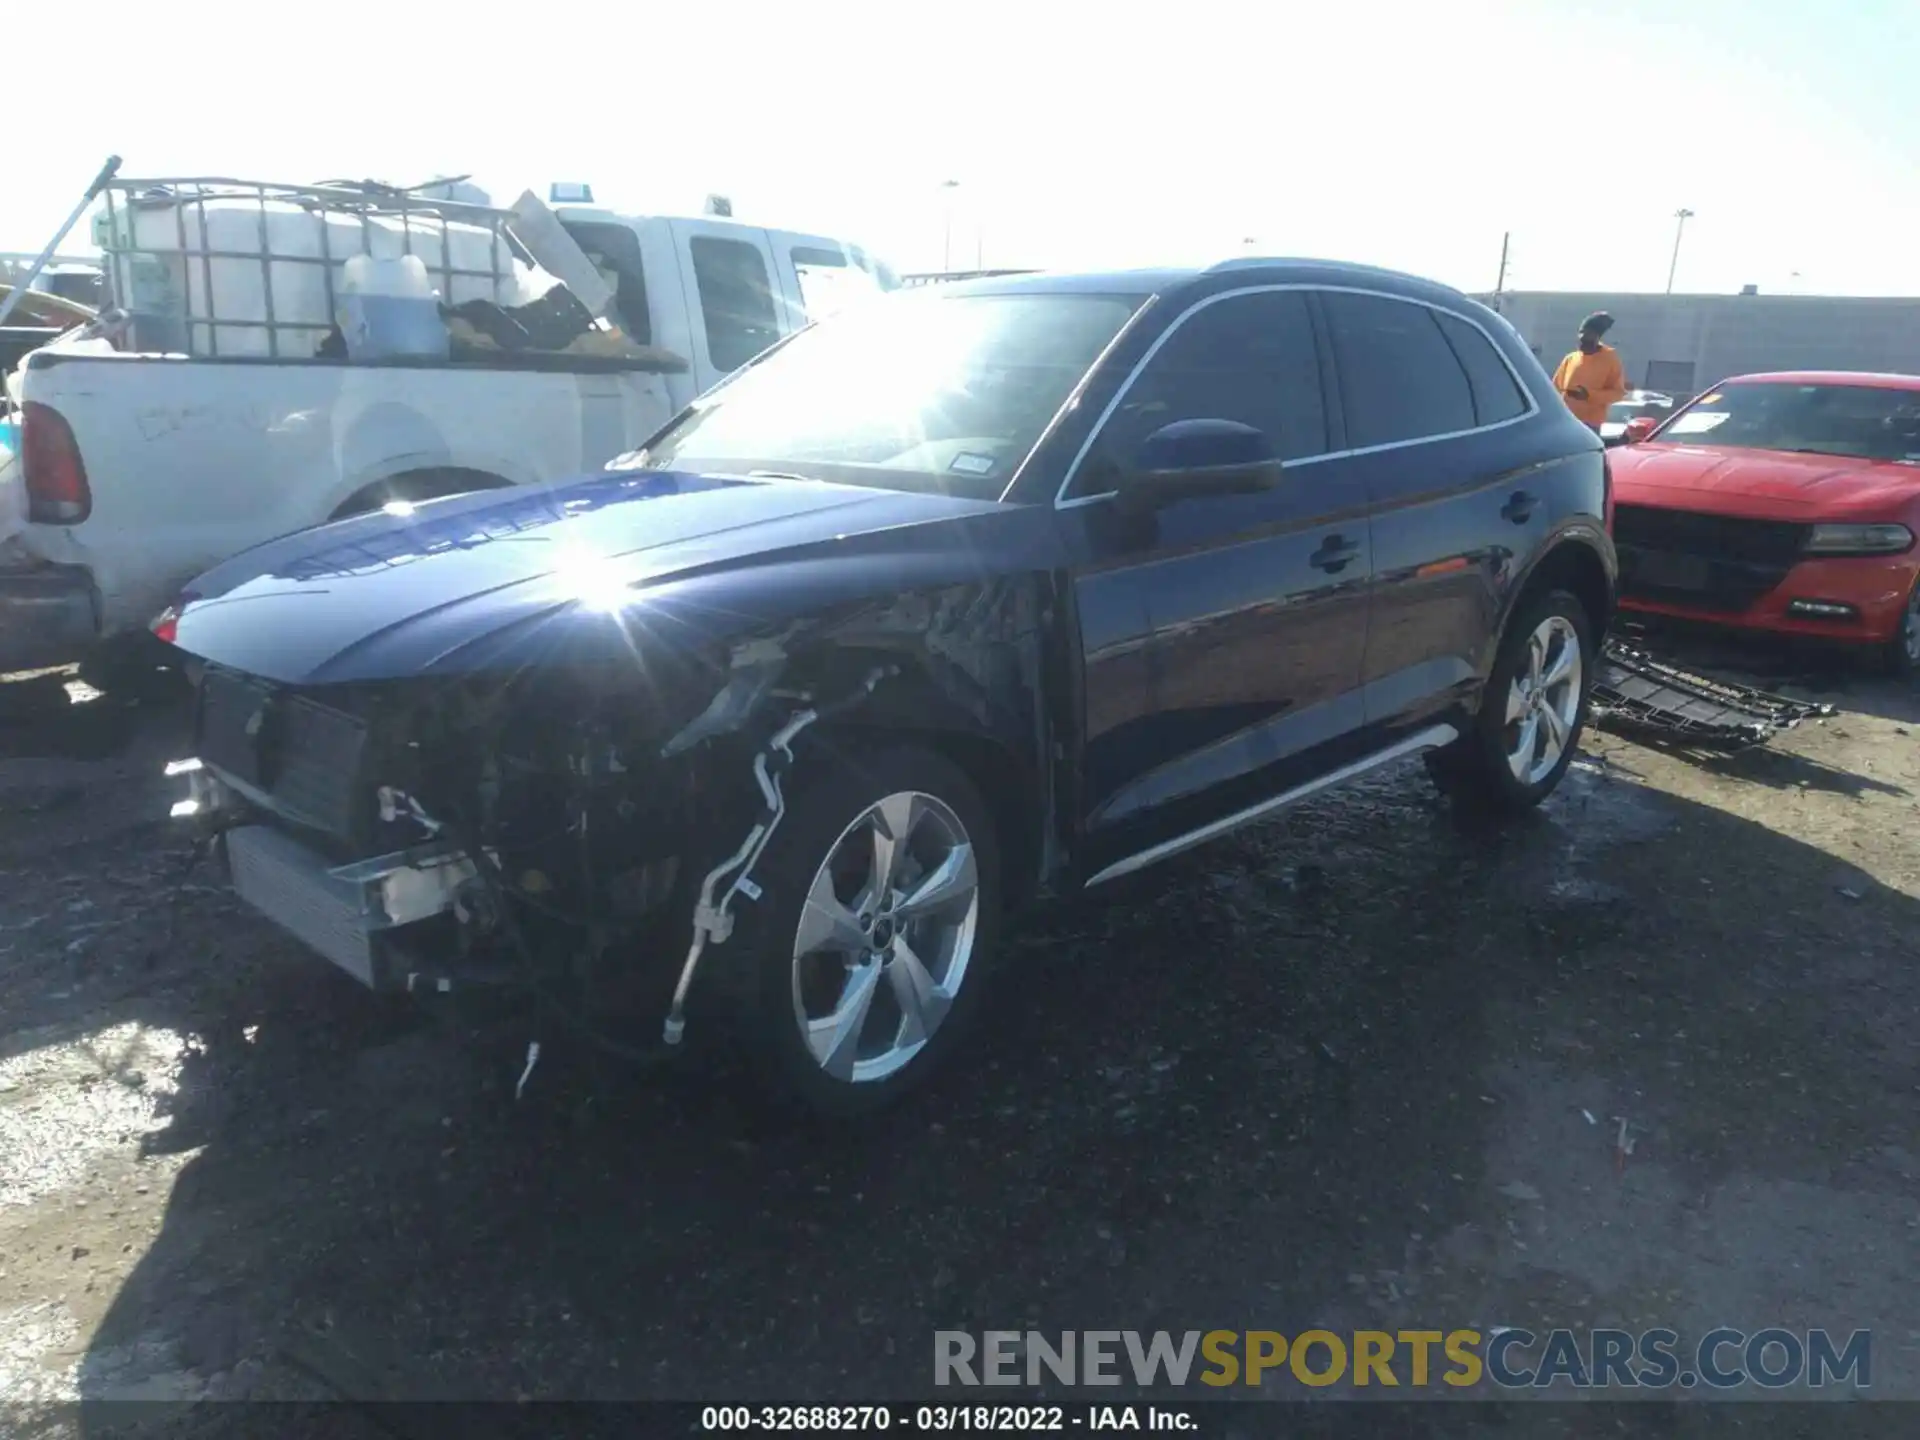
874	935
885	937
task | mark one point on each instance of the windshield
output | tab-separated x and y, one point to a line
913	391
1869	421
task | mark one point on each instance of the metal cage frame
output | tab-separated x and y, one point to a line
363	200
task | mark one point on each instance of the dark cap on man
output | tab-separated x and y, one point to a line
1596	324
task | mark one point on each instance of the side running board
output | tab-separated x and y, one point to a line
1635	692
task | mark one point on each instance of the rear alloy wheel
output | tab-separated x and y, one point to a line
1531	713
1543	701
880	907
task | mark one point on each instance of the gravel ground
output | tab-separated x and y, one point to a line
1358	1068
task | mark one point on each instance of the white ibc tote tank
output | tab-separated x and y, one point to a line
257	267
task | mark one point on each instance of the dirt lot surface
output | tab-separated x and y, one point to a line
1358	1068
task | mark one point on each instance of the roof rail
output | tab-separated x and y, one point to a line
1250	262
942	277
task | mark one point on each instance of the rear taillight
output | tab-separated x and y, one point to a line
57	492
167	623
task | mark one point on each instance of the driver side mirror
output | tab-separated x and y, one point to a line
1639	428
1191	458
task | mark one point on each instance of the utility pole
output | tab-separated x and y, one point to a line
1679	229
1500	285
946	246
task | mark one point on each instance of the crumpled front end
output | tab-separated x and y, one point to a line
353	914
589	829
355	816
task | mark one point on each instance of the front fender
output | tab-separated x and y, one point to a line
965	667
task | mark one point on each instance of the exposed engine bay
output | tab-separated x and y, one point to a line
549	827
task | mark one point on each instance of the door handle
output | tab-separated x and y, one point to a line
1336	552
1519	508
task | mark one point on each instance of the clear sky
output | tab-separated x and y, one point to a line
1406	134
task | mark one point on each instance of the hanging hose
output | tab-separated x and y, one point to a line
713	920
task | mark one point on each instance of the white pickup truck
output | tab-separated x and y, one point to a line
138	470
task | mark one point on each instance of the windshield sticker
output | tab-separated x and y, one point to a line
968	463
1712	399
1696	422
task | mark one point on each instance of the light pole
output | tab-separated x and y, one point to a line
1679	229
946	244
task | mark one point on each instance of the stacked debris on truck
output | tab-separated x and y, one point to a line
217	268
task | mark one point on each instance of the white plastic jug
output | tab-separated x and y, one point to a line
389	311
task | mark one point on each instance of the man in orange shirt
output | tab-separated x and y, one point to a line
1592	377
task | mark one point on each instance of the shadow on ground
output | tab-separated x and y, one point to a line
1280	1082
1771	766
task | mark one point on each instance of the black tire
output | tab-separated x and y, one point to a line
414	487
1896	657
134	667
1473	770
821	808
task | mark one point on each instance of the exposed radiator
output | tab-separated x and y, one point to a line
304	756
289	884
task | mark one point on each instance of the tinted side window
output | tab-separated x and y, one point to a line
1399	379
1249	358
1496	395
735	300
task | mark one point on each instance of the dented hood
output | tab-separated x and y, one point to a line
1769	484
524	575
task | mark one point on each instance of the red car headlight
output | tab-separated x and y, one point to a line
1858	540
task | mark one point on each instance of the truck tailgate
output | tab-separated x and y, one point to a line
13	499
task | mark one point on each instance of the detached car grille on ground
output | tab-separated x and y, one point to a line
301	755
1712	562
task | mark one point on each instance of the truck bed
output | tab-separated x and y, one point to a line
189	461
648	361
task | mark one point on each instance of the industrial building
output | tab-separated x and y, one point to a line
1679	344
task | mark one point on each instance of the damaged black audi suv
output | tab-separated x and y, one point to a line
962	598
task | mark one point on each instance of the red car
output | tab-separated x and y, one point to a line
1783	502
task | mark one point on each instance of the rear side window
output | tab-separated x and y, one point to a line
615	253
1399	378
1496	394
830	279
1249	358
736	301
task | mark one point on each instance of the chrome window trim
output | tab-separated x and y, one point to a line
1075	395
1062	502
